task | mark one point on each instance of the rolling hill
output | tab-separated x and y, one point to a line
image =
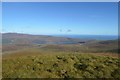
13	41
15	38
16	41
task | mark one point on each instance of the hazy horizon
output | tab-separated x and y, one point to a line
55	34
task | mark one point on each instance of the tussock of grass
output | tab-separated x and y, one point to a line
61	66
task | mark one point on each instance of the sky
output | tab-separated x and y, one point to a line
46	18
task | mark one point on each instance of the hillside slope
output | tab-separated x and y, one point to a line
23	57
16	38
62	65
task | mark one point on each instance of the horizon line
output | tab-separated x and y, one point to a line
58	34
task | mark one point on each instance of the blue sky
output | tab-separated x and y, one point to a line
93	18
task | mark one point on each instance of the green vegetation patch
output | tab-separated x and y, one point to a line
61	66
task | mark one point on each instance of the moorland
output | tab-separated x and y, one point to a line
42	56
